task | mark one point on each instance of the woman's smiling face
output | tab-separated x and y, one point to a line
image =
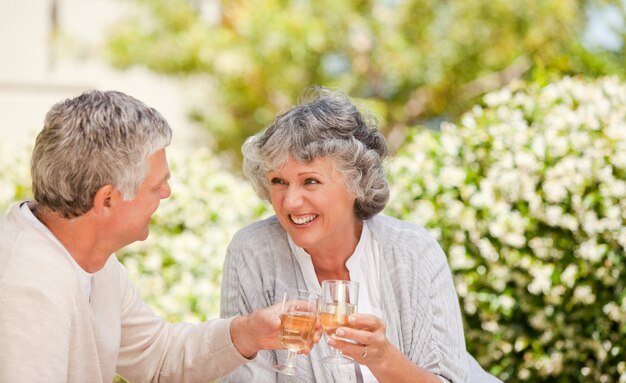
313	204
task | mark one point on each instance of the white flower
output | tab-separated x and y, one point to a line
526	161
485	196
568	277
459	259
487	250
452	176
589	250
497	98
542	278
621	238
424	212
553	215
554	191
507	302
490	326
614	188
584	294
612	310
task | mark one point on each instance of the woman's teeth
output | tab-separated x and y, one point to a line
303	220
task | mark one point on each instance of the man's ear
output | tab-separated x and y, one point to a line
105	199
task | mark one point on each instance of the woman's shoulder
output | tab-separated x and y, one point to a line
391	229
405	242
260	229
264	234
259	247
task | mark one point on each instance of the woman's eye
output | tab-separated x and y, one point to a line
311	181
277	181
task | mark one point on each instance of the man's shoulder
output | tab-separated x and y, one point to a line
26	253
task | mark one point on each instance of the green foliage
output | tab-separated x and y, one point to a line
14	175
412	61
527	195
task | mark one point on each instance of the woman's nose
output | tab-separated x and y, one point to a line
293	198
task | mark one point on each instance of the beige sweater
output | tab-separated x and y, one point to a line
50	332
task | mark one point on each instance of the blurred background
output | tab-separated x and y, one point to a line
52	50
506	117
228	67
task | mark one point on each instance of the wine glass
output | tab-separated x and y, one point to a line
338	301
298	320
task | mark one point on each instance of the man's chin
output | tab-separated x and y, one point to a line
141	237
145	236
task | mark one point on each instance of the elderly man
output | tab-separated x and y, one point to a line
68	312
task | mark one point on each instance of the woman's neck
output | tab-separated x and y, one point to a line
330	262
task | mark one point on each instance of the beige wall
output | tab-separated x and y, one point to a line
33	77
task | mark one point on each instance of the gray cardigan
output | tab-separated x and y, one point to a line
419	302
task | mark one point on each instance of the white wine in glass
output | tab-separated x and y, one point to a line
338	301
298	320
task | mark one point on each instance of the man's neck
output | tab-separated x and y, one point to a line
78	235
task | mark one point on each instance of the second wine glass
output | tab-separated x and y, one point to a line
298	320
338	301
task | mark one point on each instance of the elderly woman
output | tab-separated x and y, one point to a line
320	164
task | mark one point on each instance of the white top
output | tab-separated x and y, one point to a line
364	267
84	277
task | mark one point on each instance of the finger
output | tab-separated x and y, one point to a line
317	335
365	321
364	354
310	345
353	350
358	336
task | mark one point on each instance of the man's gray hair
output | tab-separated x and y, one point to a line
325	123
93	140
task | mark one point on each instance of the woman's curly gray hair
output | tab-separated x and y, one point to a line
325	123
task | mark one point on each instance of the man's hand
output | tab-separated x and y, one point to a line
317	335
256	331
260	330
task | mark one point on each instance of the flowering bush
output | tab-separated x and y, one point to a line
527	196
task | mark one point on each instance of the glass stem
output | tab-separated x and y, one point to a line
291	358
336	351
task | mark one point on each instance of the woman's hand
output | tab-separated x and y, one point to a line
373	349
368	331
